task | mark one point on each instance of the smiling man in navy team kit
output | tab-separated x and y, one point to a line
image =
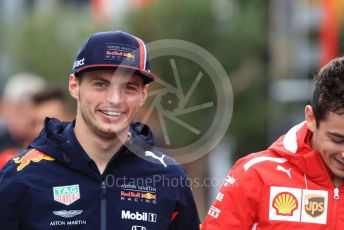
101	171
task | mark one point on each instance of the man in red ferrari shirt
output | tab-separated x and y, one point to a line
297	183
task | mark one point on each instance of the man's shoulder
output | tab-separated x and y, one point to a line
259	161
27	161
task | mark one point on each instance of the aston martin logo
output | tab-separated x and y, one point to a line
67	214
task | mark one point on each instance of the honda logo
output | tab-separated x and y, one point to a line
136	227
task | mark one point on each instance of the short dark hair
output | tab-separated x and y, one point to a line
328	95
48	94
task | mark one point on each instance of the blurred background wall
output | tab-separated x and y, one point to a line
270	50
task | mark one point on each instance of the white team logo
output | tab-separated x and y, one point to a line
142	216
229	180
67	214
220	196
287	171
137	227
161	159
214	212
79	63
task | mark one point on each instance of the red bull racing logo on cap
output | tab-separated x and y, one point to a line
31	156
110	53
119	52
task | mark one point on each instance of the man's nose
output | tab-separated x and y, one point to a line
115	96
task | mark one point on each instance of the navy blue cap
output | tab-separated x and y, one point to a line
112	50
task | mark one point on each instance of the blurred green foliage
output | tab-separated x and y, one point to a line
46	43
234	31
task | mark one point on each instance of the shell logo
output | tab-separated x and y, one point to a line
285	204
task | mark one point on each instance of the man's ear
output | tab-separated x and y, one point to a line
73	86
144	94
310	118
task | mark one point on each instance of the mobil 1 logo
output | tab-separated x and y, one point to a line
141	216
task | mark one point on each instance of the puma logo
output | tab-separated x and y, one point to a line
161	159
280	168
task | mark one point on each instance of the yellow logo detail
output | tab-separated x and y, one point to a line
285	204
32	156
148	196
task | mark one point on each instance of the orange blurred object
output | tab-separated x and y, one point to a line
7	155
329	31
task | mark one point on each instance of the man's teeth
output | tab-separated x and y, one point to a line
113	113
340	160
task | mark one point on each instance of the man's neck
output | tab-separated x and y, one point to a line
99	149
337	181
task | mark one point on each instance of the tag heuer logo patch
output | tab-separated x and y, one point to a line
66	194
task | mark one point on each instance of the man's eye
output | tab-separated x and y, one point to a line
100	84
130	87
338	141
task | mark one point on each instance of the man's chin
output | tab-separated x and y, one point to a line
107	135
113	133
